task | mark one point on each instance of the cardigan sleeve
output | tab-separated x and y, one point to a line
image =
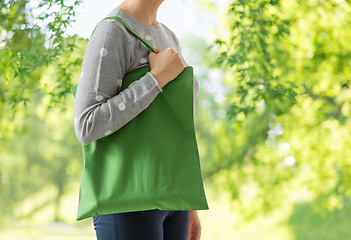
100	108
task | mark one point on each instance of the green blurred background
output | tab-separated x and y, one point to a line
273	118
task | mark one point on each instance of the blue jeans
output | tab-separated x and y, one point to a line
142	225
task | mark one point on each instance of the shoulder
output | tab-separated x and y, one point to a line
111	28
172	37
169	32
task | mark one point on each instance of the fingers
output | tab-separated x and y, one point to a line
158	50
194	231
189	232
197	232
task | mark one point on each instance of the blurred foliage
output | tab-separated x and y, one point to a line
39	148
306	224
37	64
206	107
288	71
32	38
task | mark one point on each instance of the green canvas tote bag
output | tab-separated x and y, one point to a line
152	162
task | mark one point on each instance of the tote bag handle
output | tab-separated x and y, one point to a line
129	28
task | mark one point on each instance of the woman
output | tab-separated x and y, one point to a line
101	108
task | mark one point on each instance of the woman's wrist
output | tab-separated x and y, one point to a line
159	80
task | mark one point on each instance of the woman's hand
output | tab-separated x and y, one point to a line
194	229
165	66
